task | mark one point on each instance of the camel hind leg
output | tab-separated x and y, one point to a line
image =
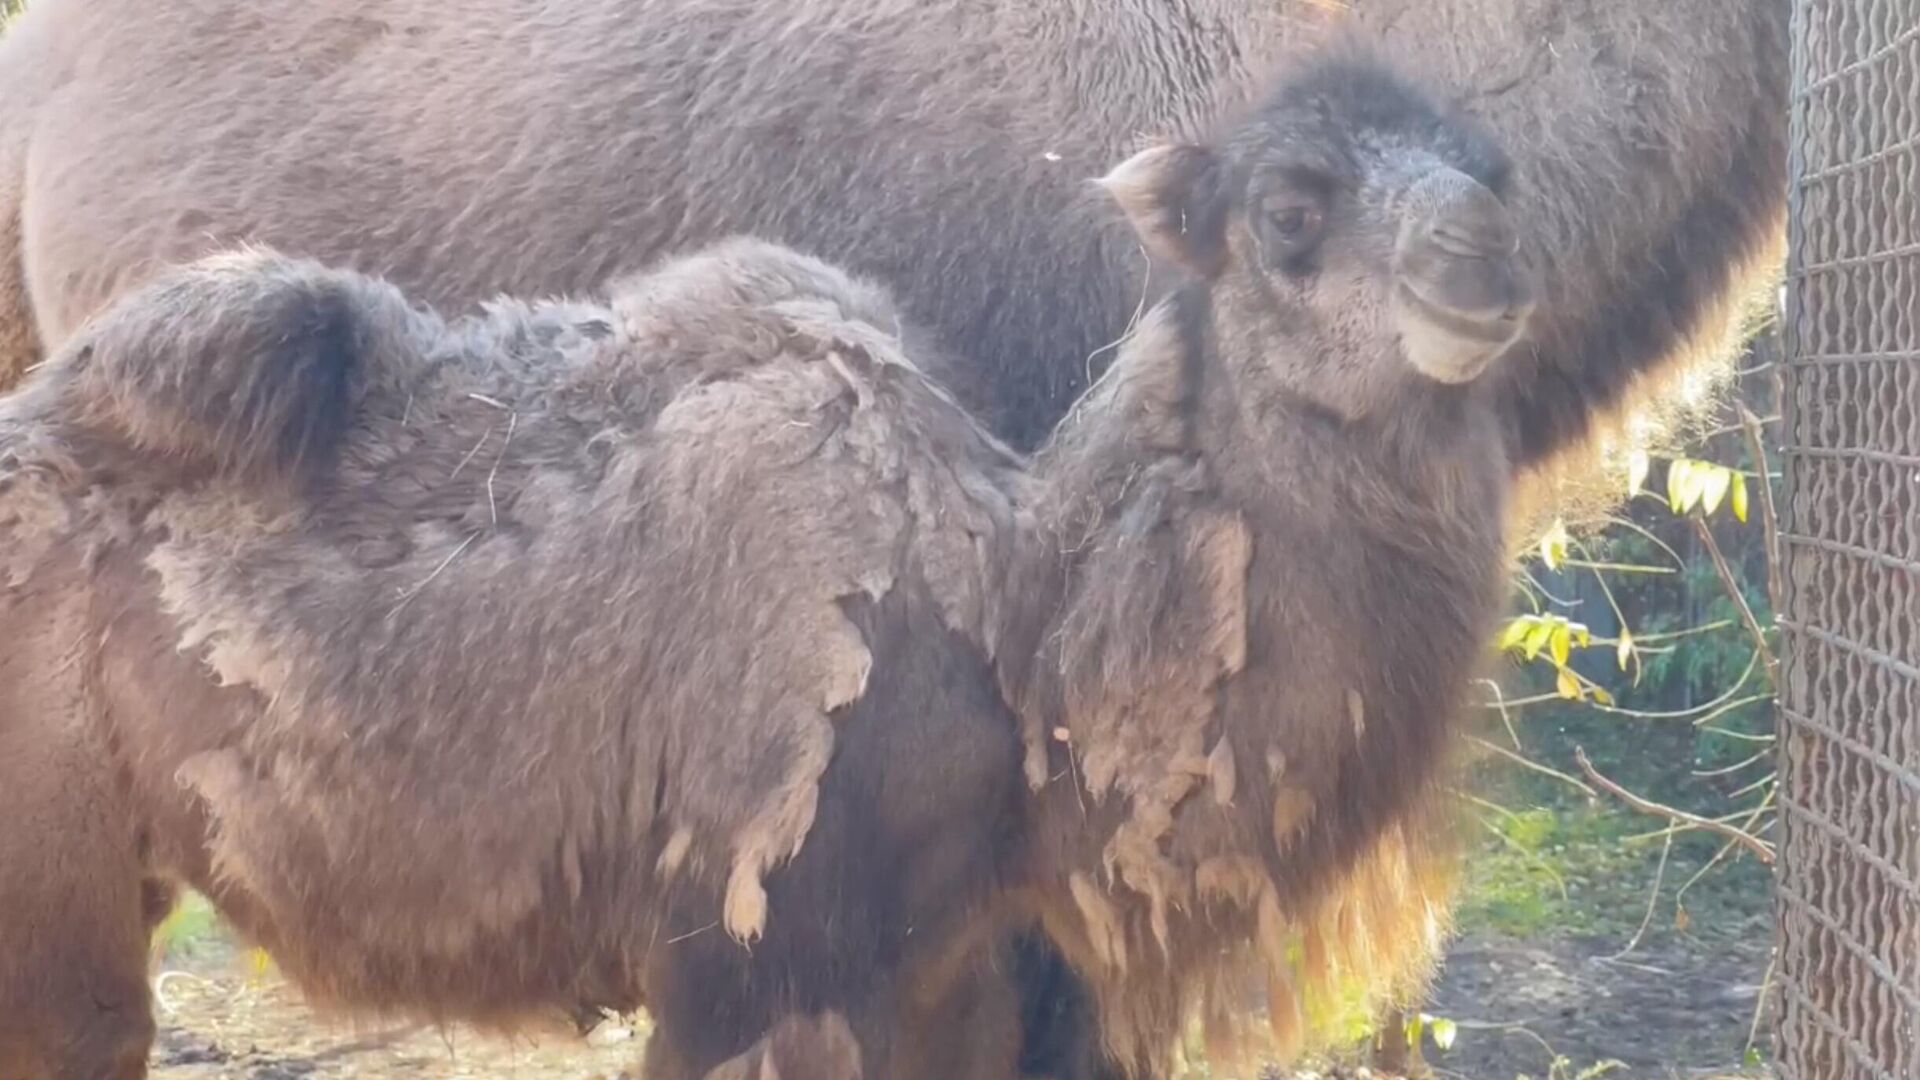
74	911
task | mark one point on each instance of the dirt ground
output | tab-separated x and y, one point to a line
1672	1009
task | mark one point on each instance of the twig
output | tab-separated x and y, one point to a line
1647	534
1557	601
1653	901
1742	830
1527	762
1674	830
1500	706
1759	847
1769	514
1617	568
1760	1006
1734	768
1732	587
1739	736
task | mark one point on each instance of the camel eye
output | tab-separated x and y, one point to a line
1292	229
1288	224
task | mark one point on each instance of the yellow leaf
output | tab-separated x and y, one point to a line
1677	473
1567	685
1515	633
1553	546
1714	481
1583	634
1625	648
1637	466
1740	496
1600	695
1537	638
1562	644
1682	920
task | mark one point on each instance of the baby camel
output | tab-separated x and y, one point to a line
690	649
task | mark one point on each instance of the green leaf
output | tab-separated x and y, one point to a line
1637	466
1740	496
1624	650
1567	686
1561	643
1714	481
1444	1031
1753	1058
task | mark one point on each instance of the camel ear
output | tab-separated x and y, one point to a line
1176	197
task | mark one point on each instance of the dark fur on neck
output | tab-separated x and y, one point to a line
1252	603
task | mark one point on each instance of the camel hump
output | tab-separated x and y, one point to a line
248	363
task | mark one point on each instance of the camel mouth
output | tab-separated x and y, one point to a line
1451	345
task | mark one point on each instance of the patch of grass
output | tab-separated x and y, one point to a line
1589	870
189	930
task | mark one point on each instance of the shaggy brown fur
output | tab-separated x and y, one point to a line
798	1049
1266	588
303	582
475	149
940	146
503	660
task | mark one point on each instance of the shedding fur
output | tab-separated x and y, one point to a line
1263	499
640	626
137	135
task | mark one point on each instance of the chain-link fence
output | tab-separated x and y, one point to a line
1849	882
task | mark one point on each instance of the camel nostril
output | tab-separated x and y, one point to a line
1473	240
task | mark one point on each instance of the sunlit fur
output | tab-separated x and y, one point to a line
1271	558
463	151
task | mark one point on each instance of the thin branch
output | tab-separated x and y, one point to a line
1756	785
1743	830
1761	849
1739	736
1691	631
1677	829
1760	1006
1769	514
1527	762
1557	601
1653	901
1734	768
1728	429
1617	568
1647	534
1500	705
1732	586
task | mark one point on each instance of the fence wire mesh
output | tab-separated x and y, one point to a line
1849	878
